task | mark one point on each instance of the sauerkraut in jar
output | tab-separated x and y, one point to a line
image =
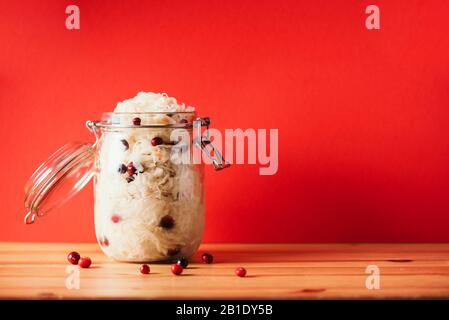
149	201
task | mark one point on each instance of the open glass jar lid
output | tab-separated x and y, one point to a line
58	179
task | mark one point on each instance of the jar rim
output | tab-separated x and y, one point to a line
149	112
105	125
112	120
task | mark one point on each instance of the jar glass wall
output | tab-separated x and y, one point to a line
149	206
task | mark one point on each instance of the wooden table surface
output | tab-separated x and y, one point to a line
275	271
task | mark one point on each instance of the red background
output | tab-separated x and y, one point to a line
363	116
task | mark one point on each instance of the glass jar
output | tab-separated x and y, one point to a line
148	183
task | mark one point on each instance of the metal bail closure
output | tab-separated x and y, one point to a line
203	142
58	179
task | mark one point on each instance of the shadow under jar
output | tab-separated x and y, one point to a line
148	184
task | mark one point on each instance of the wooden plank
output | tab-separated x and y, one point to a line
275	271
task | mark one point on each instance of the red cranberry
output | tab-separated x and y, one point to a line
136	121
104	242
207	258
85	262
156	141
144	269
167	222
183	262
125	144
122	168
115	218
176	269
73	257
241	272
131	170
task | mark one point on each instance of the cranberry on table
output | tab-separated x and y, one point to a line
241	272
145	269
176	269
207	258
183	262
73	257
85	262
156	141
136	121
131	169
